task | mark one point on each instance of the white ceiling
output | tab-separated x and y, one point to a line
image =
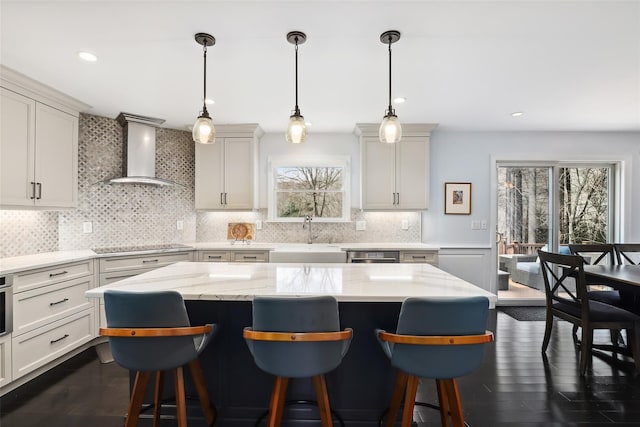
569	65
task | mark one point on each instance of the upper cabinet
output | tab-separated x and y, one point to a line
395	176
226	171
38	144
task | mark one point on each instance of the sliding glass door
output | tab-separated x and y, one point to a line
533	200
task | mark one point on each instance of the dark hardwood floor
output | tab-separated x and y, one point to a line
515	387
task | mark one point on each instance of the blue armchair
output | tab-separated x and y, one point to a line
525	269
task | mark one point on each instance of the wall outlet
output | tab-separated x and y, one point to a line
87	227
179	224
483	224
404	224
258	225
475	224
361	225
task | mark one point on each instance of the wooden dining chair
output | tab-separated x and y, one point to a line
627	253
566	299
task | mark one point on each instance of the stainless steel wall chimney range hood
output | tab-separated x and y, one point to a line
139	151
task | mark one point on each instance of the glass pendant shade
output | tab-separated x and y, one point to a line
390	129
203	130
297	130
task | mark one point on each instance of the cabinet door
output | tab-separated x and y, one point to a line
56	161
17	145
238	177
412	173
209	173
378	172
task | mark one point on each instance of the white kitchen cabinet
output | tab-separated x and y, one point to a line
114	268
226	171
394	176
51	315
420	257
5	360
38	145
233	256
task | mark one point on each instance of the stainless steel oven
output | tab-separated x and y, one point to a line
373	257
6	304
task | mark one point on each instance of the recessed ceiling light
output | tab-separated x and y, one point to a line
517	114
87	56
209	101
399	100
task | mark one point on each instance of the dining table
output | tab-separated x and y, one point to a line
624	278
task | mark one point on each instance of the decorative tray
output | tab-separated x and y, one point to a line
240	231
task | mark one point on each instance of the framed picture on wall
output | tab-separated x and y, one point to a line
457	198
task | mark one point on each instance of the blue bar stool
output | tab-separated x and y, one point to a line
440	339
150	332
297	337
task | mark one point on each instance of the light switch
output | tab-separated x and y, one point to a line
405	224
179	224
361	225
258	225
483	224
87	227
475	224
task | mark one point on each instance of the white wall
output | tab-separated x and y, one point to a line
469	157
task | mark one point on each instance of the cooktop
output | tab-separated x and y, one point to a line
117	249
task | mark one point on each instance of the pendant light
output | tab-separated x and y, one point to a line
390	129
203	130
297	129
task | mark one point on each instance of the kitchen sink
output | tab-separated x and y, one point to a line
308	253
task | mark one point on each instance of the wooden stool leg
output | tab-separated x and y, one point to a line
181	405
137	395
323	400
409	400
453	400
444	405
157	401
278	395
396	398
198	379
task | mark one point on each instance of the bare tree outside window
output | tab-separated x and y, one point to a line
314	191
523	206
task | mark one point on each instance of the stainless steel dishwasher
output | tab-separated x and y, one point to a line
373	257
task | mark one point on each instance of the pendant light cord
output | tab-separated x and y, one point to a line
204	94
297	110
390	108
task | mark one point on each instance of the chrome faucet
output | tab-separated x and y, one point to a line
307	219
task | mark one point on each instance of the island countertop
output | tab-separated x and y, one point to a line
347	282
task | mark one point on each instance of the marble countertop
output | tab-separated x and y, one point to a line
27	262
347	282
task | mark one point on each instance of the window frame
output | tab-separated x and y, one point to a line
337	161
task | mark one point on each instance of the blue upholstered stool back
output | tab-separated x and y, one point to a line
425	316
165	309
296	314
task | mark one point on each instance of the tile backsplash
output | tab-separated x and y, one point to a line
135	214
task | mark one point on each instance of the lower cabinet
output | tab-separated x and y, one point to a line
421	257
114	268
51	315
5	360
233	256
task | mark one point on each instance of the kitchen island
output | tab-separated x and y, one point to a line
369	296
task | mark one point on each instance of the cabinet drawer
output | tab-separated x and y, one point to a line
424	257
215	256
37	307
142	261
47	276
40	346
107	278
250	256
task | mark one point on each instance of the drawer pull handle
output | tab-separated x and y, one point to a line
59	339
419	257
144	261
58	302
250	257
215	256
58	274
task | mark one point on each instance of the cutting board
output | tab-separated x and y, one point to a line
240	231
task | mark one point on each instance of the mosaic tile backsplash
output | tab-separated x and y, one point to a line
135	214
